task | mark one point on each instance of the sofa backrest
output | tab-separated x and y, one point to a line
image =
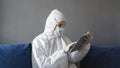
15	56
102	57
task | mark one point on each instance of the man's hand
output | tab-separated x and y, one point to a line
68	47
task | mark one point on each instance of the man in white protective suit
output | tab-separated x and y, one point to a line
49	49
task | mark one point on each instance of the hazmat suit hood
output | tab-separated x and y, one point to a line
54	18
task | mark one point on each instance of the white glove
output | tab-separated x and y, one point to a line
68	47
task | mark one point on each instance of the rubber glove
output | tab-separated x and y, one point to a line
68	47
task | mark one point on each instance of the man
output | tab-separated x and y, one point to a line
49	49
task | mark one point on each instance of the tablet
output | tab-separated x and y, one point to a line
84	39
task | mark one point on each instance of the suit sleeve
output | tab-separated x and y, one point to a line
77	56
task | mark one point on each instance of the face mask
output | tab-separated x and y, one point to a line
59	32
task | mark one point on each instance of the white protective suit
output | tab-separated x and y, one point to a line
48	49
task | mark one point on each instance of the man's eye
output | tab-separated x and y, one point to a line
60	25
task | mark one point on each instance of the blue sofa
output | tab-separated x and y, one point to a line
102	57
15	56
19	56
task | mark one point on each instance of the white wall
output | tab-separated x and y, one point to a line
22	20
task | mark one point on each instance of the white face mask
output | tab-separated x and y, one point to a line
59	32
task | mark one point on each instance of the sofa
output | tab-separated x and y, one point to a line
102	57
19	56
15	56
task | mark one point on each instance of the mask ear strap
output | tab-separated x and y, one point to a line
55	27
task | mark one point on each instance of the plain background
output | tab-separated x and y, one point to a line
22	20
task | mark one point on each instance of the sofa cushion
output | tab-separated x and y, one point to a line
15	56
102	57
